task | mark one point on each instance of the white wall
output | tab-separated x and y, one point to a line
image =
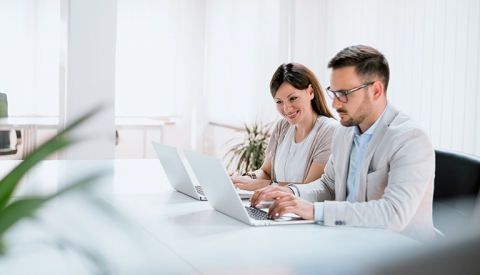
211	61
433	50
29	56
432	47
243	51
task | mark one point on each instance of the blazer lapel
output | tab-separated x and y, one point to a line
343	164
390	114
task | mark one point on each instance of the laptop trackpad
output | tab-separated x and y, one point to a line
288	217
283	219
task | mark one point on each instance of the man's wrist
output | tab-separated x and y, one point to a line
294	189
319	211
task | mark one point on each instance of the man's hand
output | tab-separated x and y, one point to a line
284	202
267	193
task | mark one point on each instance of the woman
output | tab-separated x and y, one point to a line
300	144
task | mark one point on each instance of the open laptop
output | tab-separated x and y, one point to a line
177	173
222	195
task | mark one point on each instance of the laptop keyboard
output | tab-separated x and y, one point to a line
199	190
256	213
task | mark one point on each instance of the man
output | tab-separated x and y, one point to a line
381	170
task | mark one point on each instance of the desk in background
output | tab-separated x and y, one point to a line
143	123
183	235
30	126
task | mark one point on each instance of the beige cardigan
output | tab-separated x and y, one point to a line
321	147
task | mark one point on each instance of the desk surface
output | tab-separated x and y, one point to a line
183	235
53	121
29	121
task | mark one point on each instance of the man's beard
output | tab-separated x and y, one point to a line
362	112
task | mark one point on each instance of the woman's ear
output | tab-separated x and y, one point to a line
310	91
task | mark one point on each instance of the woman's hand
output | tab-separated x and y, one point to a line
247	183
234	174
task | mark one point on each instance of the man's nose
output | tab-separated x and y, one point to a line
336	103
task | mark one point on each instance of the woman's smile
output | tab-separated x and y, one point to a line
292	115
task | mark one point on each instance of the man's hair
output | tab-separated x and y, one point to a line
368	63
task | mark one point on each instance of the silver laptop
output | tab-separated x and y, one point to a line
222	195
177	173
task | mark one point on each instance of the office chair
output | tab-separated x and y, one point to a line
456	193
6	146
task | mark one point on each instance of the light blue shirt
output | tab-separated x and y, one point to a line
359	147
357	153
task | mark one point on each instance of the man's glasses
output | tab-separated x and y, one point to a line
342	95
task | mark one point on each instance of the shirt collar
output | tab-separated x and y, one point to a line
372	128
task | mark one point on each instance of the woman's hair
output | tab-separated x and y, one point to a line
300	77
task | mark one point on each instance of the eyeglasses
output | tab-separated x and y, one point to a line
342	95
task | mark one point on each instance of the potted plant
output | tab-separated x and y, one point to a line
249	154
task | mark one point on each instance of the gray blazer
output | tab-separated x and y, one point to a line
396	179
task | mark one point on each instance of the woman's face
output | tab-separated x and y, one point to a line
293	104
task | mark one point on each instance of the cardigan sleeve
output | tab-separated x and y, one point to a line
276	138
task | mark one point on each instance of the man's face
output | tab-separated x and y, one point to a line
359	105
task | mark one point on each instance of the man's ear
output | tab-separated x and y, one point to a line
377	90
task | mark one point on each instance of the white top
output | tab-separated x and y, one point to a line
291	161
290	155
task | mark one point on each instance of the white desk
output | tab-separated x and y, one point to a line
30	125
188	236
144	123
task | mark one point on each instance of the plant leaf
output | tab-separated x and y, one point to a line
10	181
248	155
26	206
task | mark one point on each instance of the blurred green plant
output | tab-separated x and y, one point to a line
14	210
248	155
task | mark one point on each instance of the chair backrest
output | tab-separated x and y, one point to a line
4	135
456	175
457	186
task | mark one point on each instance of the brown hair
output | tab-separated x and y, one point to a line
368	63
300	77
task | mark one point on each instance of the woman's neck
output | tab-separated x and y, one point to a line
305	127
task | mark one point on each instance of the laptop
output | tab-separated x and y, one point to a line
177	173
223	197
